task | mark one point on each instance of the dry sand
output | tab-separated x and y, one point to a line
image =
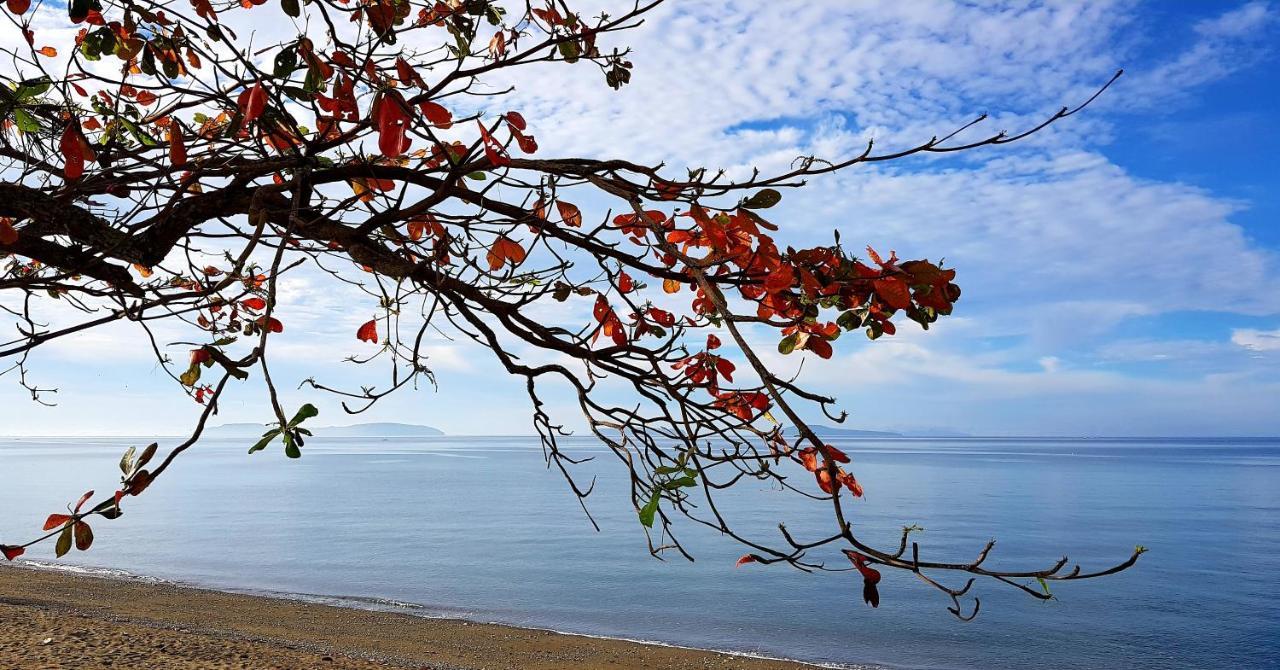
55	620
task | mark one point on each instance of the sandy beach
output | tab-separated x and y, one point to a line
56	620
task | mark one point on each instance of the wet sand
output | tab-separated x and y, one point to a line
51	619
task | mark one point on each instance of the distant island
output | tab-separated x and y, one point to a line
832	431
357	430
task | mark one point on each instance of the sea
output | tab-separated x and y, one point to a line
479	528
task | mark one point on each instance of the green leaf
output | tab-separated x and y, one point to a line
64	541
788	344
31	88
1044	585
290	445
291	7
287	60
305	412
25	121
650	508
683	482
569	50
266	439
763	200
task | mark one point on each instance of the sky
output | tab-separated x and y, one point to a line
1119	270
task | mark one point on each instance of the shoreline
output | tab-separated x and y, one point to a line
53	617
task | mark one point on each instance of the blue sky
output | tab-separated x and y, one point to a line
1120	271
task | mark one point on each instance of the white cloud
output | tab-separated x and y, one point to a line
1257	340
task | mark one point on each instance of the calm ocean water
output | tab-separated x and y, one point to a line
479	528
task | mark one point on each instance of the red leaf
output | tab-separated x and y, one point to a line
894	292
84	498
255	304
84	536
368	332
146	98
570	213
492	148
8	551
251	103
72	145
177	148
749	558
18	7
56	520
809	459
271	324
517	120
437	115
819	346
713	342
8	235
625	283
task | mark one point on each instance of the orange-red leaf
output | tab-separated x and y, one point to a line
146	98
85	498
255	304
11	552
437	115
368	332
271	324
49	52
570	213
72	145
749	558
18	7
177	148
894	291
503	250
8	234
56	520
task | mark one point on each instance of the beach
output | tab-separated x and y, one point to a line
52	619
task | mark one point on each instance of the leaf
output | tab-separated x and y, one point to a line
305	412
56	520
569	213
763	200
368	332
18	7
894	291
126	461
48	52
11	552
83	499
146	98
72	146
8	234
788	344
177	148
650	508
1044	585
64	542
505	249
84	535
255	304
437	115
147	454
748	558
251	103
266	439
